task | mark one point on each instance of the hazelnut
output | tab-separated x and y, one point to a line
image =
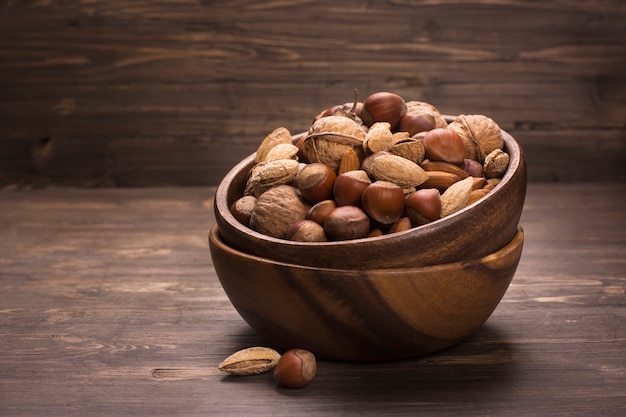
413	122
349	187
472	167
320	211
242	208
301	156
423	206
347	222
430	112
306	231
383	107
383	201
442	144
315	182
296	368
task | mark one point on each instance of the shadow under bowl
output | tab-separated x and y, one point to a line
477	230
357	315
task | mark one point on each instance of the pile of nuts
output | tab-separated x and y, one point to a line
370	168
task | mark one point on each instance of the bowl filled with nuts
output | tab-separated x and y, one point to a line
383	183
364	315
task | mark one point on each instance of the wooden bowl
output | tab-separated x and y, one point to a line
475	231
356	315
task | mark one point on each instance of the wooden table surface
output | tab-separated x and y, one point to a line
109	305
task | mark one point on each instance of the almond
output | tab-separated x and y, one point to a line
278	136
250	361
440	180
349	161
456	196
399	170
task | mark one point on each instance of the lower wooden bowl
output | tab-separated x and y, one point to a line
358	315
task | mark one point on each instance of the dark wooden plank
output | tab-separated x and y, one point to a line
165	93
109	306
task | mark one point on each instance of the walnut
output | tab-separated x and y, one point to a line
480	134
276	210
329	138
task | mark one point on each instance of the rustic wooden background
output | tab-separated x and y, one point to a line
174	92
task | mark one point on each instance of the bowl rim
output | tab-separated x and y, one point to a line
513	245
222	205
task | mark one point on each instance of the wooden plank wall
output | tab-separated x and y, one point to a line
175	92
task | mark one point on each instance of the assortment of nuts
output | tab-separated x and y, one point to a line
295	368
368	169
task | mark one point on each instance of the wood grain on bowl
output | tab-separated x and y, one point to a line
358	315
